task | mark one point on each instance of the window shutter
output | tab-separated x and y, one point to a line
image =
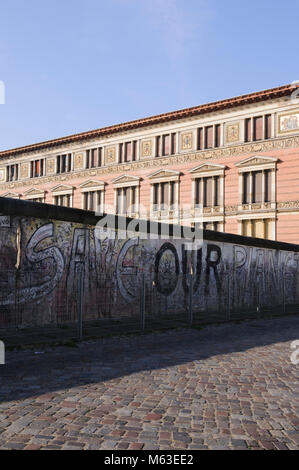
128	152
246	189
217	135
247	130
158	146
120	149
268	126
173	144
156	192
200	138
198	183
100	156
209	137
166	144
257	186
208	190
217	194
258	128
267	186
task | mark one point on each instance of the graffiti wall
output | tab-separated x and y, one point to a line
44	262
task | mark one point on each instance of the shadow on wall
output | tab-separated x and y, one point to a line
27	374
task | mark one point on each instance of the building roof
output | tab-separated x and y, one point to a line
215	106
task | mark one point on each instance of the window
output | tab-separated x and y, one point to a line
35	195
64	163
166	145
93	201
128	152
126	195
126	200
259	228
208	185
256	185
63	200
37	168
207	191
63	195
258	128
36	199
164	195
211	226
208	137
12	172
93	192
93	158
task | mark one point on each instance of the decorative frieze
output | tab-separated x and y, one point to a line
288	206
238	150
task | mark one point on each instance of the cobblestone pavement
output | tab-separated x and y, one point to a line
224	387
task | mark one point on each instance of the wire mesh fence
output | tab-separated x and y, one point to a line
132	302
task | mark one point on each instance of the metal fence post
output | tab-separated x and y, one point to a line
142	303
283	297
80	302
190	306
228	297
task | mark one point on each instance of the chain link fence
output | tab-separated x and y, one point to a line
128	303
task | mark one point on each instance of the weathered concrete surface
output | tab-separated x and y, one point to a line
224	387
57	258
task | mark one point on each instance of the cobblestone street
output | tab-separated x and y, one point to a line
231	386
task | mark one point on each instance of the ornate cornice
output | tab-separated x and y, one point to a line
219	153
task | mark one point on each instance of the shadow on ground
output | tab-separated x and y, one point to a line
34	372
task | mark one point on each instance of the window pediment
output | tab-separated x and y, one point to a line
164	176
62	189
92	185
11	195
34	192
257	162
208	169
126	180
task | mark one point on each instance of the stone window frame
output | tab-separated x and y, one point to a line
93	186
263	210
253	164
11	195
65	190
253	218
122	151
164	176
35	193
8	167
251	118
207	170
173	134
127	181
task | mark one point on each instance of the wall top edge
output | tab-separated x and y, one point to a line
37	210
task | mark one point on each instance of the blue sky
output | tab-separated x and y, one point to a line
75	65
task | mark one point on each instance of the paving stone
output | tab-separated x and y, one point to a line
230	386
